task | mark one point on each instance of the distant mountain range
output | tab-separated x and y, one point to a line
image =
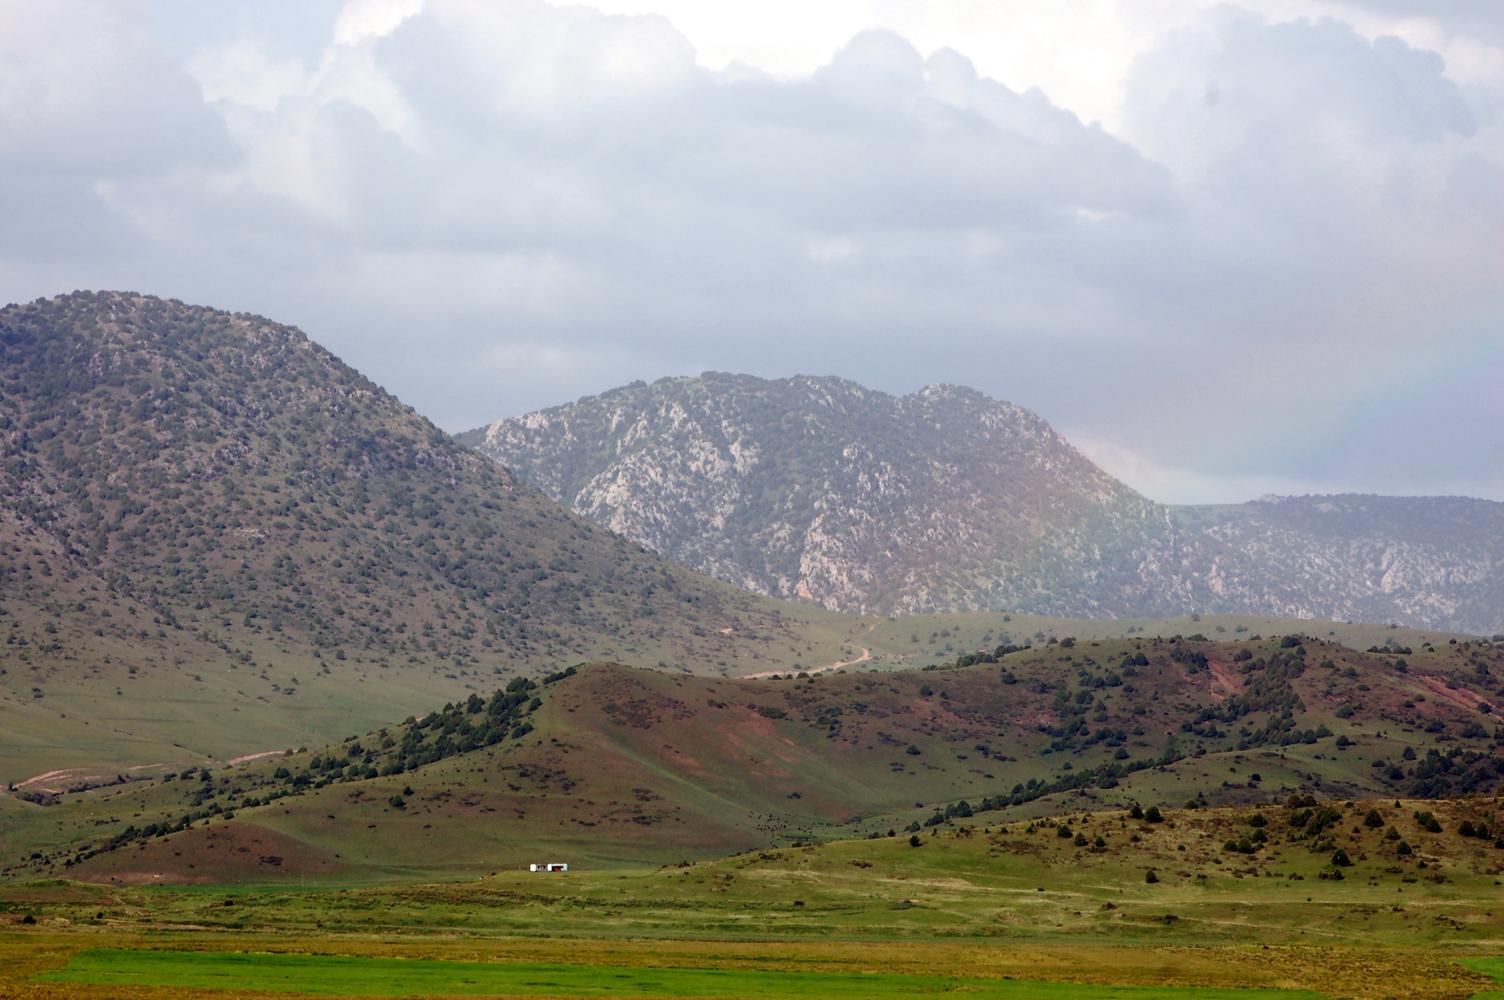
946	500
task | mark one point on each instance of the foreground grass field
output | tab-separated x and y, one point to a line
395	977
1020	909
52	964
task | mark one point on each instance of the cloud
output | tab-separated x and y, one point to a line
84	90
1235	92
1479	18
493	206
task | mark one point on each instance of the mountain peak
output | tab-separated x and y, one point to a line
220	465
819	488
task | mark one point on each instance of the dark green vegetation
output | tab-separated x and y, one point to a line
216	538
946	500
616	766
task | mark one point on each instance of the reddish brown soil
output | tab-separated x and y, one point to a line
221	853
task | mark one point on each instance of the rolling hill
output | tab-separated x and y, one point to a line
614	766
946	500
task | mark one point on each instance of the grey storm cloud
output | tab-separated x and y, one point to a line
1290	244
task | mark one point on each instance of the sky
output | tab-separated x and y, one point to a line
1227	249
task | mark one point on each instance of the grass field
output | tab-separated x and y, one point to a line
1491	967
394	977
52	964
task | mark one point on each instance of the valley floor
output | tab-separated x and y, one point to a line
1012	912
58	962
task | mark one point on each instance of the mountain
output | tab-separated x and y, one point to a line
820	489
1430	561
946	500
613	765
214	534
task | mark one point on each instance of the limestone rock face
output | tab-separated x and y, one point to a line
820	489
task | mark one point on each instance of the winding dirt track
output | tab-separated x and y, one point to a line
822	668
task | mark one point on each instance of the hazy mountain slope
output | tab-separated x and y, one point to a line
947	500
246	511
857	500
1435	561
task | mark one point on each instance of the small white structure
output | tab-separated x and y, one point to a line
549	866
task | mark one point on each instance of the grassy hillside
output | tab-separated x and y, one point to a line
616	766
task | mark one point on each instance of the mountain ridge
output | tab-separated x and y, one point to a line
817	488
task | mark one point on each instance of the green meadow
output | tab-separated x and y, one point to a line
333	975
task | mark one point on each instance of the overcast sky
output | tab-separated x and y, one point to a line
1227	249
